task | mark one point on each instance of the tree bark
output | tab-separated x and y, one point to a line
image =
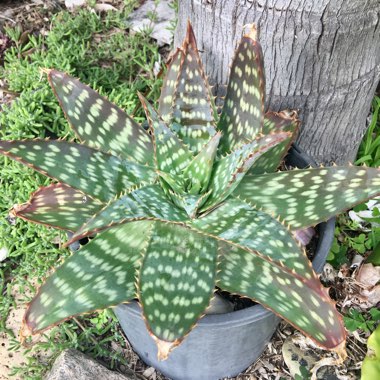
321	58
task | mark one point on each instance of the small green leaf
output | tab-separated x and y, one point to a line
98	122
96	173
307	197
165	103
242	115
99	275
274	123
59	206
177	280
198	172
230	170
190	203
172	183
374	257
172	156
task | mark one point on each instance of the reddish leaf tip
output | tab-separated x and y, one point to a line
45	70
190	37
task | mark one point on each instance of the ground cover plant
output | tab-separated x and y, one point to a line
99	50
184	217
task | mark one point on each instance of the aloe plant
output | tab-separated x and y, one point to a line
192	204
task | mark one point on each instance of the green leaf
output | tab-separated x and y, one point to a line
165	103
307	197
261	233
177	280
98	122
171	183
274	123
242	115
100	274
172	156
190	203
198	172
192	107
295	292
374	257
149	202
94	172
230	170
303	303
371	363
59	206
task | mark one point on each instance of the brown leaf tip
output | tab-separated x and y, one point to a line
190	36
252	32
340	350
164	348
25	332
45	70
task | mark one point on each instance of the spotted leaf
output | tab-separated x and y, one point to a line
307	197
98	122
303	303
99	275
59	206
190	203
192	108
172	156
94	172
171	183
177	280
148	202
198	173
242	115
274	123
261	233
165	103
230	170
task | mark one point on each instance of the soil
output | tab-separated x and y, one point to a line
8	358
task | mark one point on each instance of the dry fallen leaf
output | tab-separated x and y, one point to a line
368	275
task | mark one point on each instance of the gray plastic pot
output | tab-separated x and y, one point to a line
220	345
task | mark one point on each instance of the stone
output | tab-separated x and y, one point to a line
72	364
72	4
165	15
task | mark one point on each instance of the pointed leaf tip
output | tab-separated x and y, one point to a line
252	31
164	348
190	36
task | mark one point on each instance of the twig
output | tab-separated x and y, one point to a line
93	340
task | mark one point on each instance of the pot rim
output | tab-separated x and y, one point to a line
233	318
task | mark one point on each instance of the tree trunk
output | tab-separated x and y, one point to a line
321	58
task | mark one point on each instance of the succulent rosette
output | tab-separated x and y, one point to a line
192	204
